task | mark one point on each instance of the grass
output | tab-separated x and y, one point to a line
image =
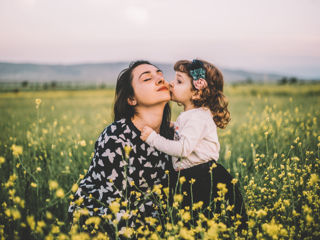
271	146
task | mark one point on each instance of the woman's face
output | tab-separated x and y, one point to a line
181	88
149	86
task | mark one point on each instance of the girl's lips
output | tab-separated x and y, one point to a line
163	89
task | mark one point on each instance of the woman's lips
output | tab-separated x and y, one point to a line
163	89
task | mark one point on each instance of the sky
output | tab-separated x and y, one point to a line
274	36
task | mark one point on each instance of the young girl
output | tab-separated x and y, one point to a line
198	86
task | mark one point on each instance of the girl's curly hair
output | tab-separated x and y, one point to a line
212	96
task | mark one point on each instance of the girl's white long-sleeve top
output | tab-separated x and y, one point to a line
196	139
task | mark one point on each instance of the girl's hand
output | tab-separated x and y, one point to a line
146	131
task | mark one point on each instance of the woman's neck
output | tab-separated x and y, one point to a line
148	116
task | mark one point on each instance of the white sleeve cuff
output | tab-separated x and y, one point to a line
151	138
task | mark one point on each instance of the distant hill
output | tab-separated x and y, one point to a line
102	73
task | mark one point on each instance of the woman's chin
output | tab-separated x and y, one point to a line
166	96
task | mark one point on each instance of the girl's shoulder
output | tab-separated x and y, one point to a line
196	113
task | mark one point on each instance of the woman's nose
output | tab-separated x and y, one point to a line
160	80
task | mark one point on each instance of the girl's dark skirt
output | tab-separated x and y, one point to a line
205	189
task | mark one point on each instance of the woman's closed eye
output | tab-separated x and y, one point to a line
147	79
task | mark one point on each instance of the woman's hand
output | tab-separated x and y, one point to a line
146	131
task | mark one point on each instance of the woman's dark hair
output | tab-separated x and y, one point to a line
124	90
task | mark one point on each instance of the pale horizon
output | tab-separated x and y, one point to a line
281	37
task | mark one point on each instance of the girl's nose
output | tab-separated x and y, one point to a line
171	84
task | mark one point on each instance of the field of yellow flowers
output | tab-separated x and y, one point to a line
271	147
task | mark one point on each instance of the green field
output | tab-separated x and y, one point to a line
271	146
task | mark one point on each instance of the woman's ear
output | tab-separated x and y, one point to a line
132	101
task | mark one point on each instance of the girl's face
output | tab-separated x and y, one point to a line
149	86
181	89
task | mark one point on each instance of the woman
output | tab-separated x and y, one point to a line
124	169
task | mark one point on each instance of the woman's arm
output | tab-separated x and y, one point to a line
103	182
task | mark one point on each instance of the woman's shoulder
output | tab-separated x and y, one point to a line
120	129
116	127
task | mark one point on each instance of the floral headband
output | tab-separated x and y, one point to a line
198	74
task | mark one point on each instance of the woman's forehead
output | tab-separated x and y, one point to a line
143	68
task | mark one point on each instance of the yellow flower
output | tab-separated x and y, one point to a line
222	187
16	150
124	203
152	221
2	160
79	201
114	207
178	198
197	205
15	214
309	219
274	230
234	181
55	229
60	193
186	234
227	155
154	236
182	180
157	189
38	102
260	213
40	225
53	184
126	232
93	220
127	150
186	216
48	215
82	143
74	187
251	223
166	191
313	179
31	222
34	185
125	216
192	181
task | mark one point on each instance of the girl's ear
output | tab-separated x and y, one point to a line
196	95
132	101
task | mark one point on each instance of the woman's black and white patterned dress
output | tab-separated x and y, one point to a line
110	174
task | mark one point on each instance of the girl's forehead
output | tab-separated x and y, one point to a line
182	74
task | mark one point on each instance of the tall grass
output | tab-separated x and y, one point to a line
271	146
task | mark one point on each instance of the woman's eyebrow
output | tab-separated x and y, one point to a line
146	72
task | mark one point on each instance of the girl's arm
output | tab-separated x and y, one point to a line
189	138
